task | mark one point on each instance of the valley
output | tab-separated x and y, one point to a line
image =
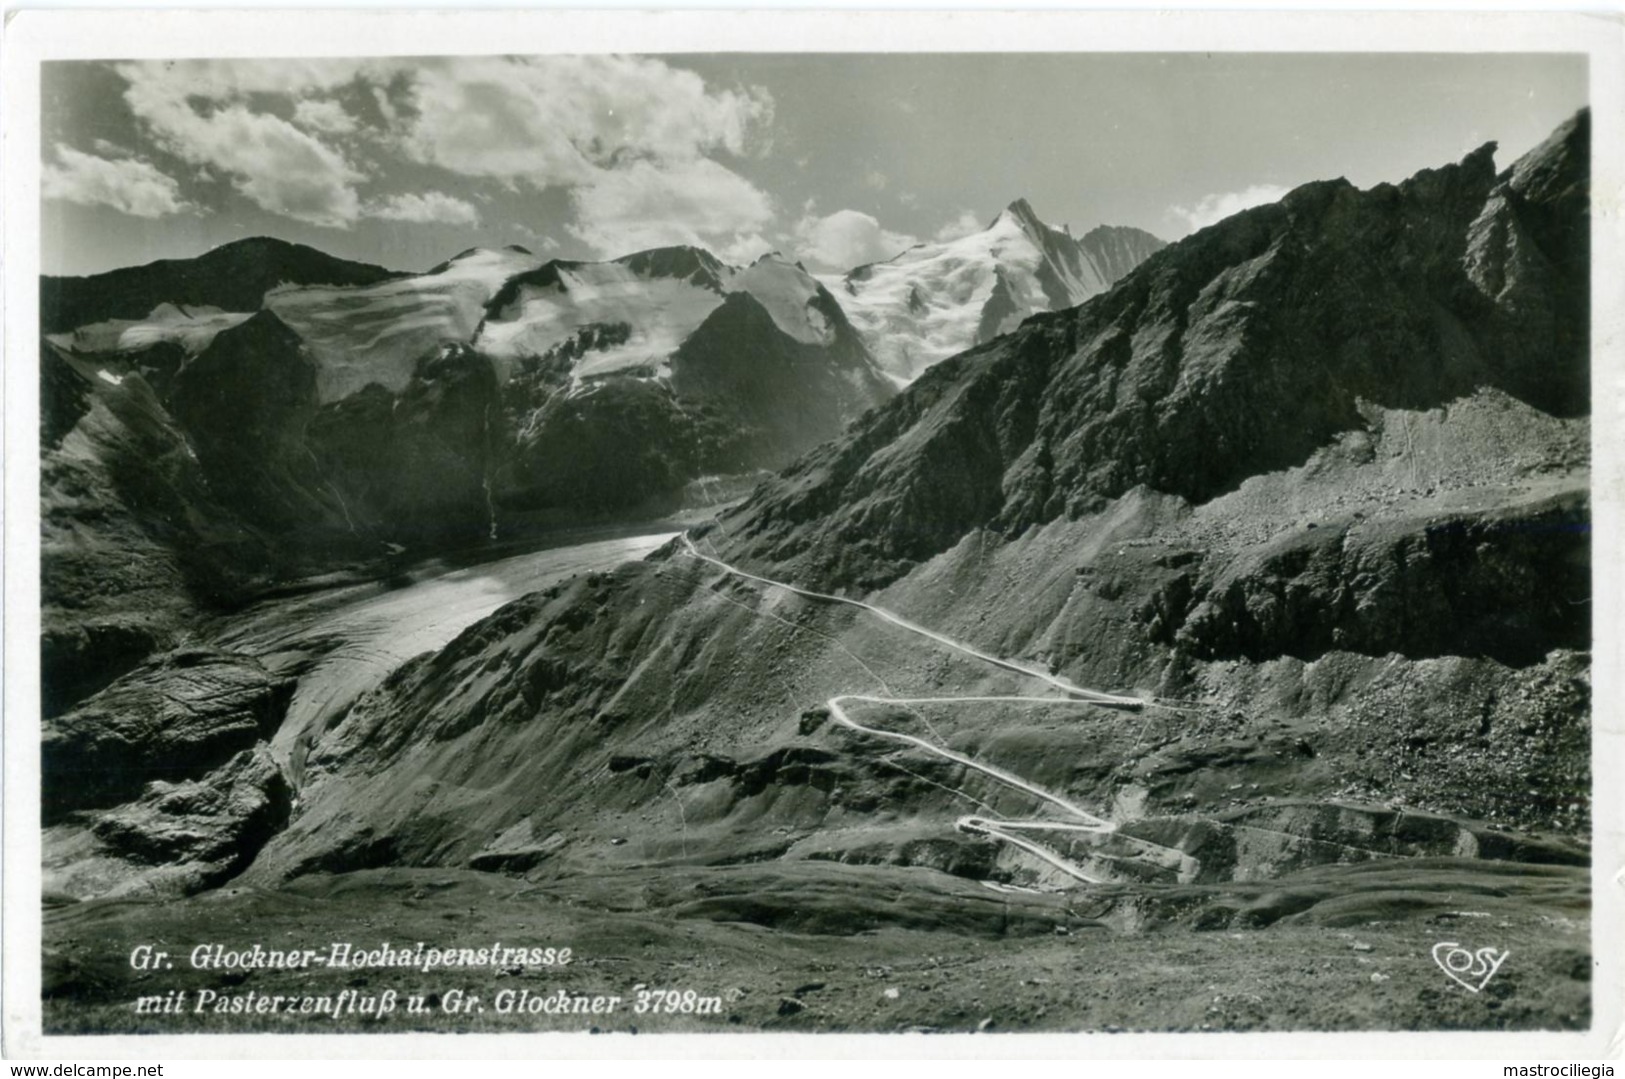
1055	635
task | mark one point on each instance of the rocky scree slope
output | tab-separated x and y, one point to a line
1315	478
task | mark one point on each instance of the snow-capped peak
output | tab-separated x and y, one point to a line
936	299
1021	213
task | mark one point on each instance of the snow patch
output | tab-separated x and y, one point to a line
192	328
658	312
377	333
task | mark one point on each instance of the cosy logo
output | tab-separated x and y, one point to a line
1473	970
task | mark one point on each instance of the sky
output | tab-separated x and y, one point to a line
833	159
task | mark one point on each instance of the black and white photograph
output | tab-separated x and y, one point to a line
865	541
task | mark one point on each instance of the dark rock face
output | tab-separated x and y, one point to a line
202	831
1117	250
233	277
627	444
1235	352
133	542
743	395
64	398
245	403
413	468
172	719
767	397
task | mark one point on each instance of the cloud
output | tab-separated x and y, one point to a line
129	186
564	120
327	117
963	225
1210	209
199	112
648	205
745	249
224	80
634	140
631	137
875	180
431	207
539	240
847	238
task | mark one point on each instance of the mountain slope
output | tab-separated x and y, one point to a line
1246	354
378	334
233	277
133	543
934	300
1312	483
625	380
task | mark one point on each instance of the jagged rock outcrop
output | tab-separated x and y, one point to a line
172	719
177	838
766	397
206	830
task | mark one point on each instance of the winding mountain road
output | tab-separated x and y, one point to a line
1004	830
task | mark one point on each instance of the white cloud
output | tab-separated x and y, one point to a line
875	180
630	136
847	238
563	120
386	107
539	240
648	205
431	207
745	249
129	186
633	138
963	225
327	117
196	111
225	80
1210	209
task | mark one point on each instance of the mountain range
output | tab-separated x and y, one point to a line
301	413
1316	460
1238	608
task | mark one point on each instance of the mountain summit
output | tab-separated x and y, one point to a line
937	299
